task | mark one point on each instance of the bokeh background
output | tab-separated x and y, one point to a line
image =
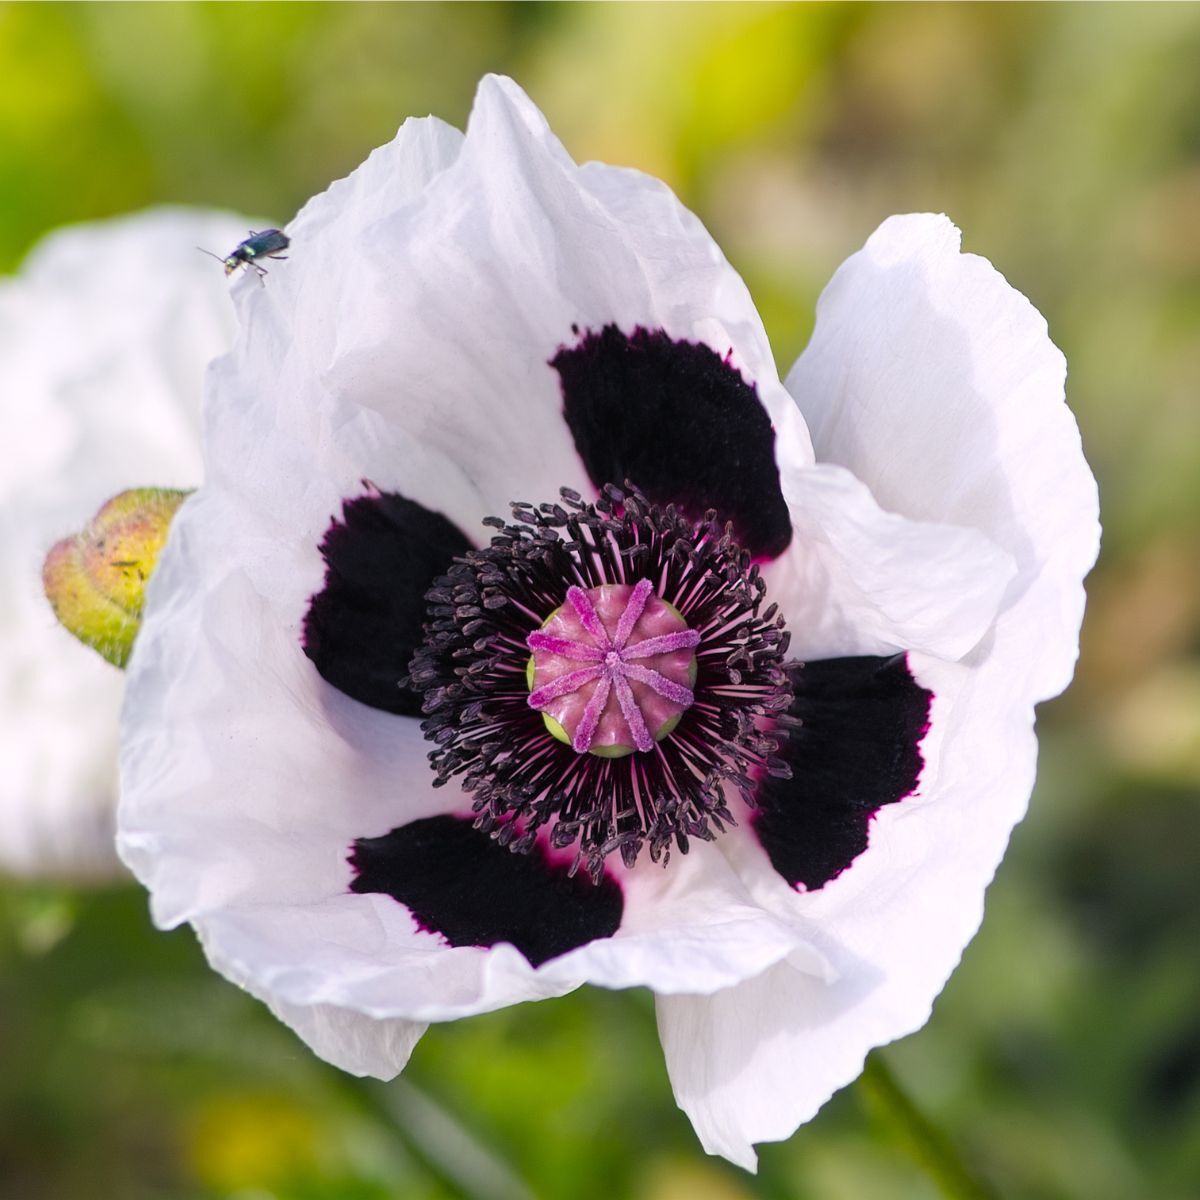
1064	1056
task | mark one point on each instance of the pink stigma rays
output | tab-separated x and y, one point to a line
588	653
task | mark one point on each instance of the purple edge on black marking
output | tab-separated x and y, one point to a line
926	724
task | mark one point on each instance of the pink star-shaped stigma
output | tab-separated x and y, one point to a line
612	664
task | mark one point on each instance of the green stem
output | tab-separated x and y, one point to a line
933	1152
443	1147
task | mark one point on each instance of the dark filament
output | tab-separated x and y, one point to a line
471	671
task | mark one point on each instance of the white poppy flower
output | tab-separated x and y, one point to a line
104	337
791	856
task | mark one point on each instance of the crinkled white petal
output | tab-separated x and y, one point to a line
421	305
859	580
350	1040
247	779
936	383
892	927
690	927
363	953
753	1062
104	338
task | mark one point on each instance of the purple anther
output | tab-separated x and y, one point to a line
615	704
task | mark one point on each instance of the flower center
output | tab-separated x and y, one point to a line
612	669
620	721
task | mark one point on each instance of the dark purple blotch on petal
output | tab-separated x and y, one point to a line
680	422
459	882
363	626
857	748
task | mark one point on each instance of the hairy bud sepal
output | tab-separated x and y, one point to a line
96	579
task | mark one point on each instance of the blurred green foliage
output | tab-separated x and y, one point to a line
1064	1057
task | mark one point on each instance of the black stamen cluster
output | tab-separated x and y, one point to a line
471	672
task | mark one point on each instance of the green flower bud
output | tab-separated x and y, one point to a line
96	580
